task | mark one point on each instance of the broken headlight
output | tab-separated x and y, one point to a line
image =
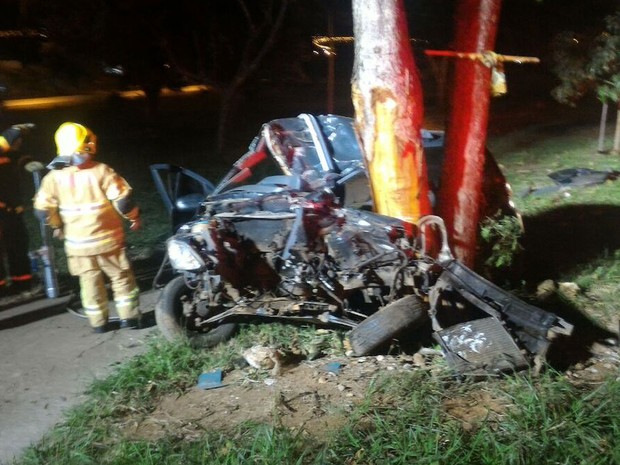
183	256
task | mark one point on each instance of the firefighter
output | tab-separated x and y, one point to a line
13	232
85	201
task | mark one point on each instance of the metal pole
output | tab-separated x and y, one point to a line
46	252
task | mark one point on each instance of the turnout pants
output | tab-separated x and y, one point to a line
91	271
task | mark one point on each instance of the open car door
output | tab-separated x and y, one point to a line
181	190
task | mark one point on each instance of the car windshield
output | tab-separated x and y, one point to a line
325	142
304	146
294	145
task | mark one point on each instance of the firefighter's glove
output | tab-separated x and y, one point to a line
135	224
13	136
10	139
34	166
58	234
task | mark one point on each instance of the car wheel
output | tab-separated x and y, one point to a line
385	325
174	325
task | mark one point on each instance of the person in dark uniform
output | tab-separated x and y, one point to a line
15	272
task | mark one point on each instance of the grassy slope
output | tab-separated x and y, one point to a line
570	235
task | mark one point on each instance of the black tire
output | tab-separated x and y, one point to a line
380	328
175	326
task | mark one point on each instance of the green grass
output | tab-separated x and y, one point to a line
576	230
547	420
527	157
403	420
91	431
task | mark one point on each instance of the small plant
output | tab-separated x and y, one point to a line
503	234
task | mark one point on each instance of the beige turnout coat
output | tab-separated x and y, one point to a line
87	202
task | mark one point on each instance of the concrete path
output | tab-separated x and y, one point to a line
48	357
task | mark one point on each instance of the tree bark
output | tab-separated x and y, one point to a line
602	129
616	148
387	98
466	129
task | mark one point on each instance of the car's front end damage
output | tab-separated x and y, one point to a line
288	236
496	332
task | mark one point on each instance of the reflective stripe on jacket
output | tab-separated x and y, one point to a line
82	201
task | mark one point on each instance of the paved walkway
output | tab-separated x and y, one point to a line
48	358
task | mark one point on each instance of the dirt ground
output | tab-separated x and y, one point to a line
316	397
313	396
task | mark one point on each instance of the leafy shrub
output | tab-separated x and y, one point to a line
503	234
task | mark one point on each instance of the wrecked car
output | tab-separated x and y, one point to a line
289	235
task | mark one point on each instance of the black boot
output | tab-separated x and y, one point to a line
100	329
130	323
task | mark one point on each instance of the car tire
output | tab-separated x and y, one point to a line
380	328
173	324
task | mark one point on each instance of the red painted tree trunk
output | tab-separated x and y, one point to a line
387	97
459	199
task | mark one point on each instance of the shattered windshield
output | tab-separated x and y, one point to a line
292	143
305	146
323	143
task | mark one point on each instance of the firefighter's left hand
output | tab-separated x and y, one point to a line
135	224
58	234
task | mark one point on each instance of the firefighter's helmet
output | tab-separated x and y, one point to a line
73	138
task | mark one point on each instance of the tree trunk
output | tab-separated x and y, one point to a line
616	148
387	98
466	129
602	129
440	68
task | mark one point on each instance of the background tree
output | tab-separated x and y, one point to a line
220	43
263	23
466	128
387	98
590	64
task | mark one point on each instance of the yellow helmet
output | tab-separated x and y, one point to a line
72	138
